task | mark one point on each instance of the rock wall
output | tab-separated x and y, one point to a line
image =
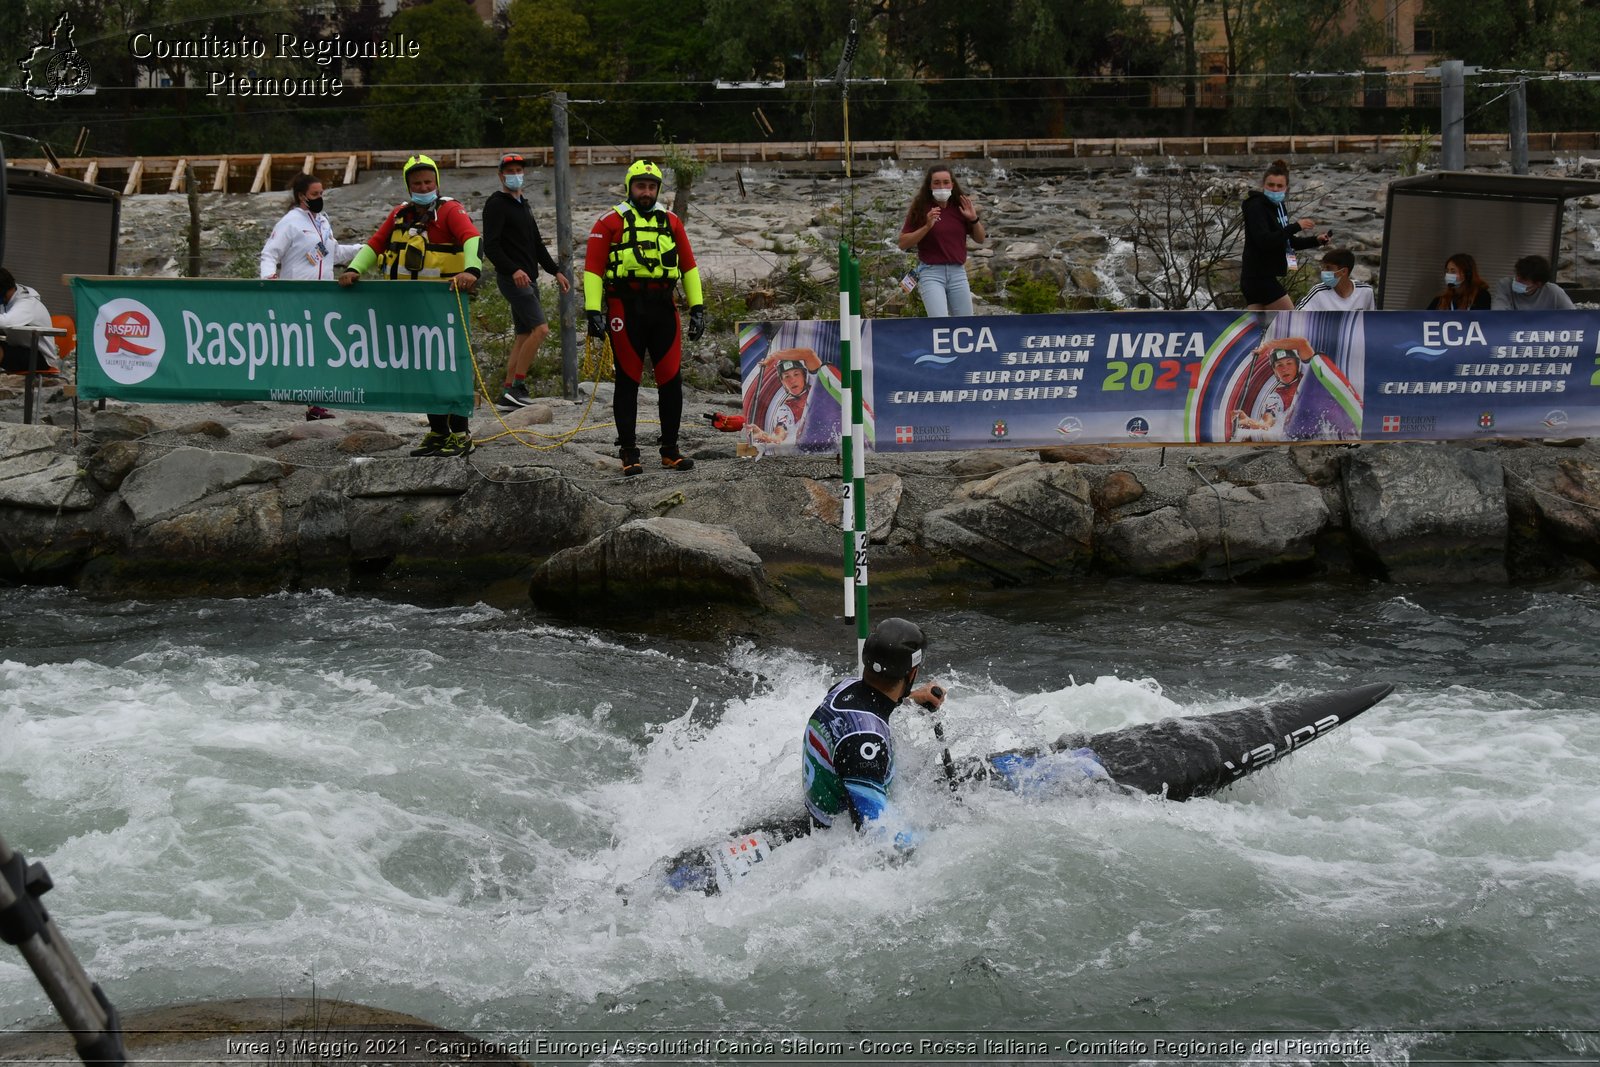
228	505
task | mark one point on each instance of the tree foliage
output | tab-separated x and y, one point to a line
549	46
436	98
1183	228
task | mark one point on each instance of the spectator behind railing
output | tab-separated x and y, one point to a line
1270	240
302	247
21	306
1530	289
1337	290
1464	288
939	222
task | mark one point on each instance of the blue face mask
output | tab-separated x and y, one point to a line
1330	277
1452	279
424	199
1519	287
1275	195
514	182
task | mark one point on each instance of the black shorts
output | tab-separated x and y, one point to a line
526	312
1259	290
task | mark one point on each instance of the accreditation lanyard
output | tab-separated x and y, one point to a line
1290	258
324	232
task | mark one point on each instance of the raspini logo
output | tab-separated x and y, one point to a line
55	68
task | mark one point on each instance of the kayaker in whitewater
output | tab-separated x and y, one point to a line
847	753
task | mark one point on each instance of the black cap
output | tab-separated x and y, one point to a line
894	648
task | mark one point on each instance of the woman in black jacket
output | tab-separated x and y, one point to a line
1269	238
1464	288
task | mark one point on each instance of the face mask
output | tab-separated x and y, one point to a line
1520	288
424	199
1275	195
941	195
314	206
1330	277
1451	279
514	182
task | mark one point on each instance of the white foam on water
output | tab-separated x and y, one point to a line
239	818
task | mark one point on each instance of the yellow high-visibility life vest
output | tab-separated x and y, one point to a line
647	251
411	252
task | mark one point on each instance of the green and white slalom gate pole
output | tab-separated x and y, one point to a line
852	447
858	435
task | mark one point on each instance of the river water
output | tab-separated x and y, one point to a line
430	809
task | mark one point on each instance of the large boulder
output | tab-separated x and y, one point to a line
237	543
1156	544
884	492
1252	528
185	476
1553	503
1031	520
446	520
39	472
1428	513
651	563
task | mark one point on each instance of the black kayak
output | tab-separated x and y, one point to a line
1176	758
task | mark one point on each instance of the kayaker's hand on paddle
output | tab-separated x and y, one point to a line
930	697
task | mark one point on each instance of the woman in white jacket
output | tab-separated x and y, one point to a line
302	246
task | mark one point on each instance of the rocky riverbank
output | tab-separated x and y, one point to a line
247	498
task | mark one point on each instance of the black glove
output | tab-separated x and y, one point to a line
597	324
697	322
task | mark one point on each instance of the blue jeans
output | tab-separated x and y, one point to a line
944	290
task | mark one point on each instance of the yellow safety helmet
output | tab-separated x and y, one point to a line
641	168
420	160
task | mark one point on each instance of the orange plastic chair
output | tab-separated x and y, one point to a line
65	346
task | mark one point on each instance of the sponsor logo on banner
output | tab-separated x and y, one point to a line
1486	420
904	435
999	428
1556	420
1069	426
1138	426
922	434
1409	423
128	341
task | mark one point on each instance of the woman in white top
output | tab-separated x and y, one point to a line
302	247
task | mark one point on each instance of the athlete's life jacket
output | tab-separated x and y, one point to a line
647	251
411	251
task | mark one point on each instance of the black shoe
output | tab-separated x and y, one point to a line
515	396
431	443
456	444
674	460
630	462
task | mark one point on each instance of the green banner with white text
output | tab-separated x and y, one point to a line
375	346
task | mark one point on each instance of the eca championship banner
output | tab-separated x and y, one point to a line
377	346
1181	377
